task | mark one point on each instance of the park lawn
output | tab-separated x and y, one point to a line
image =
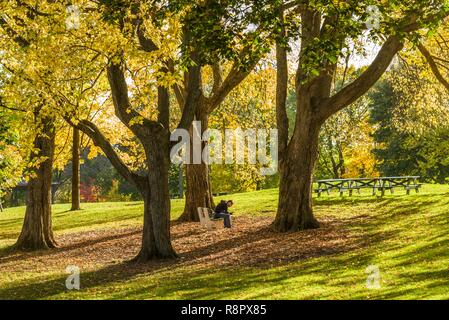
405	237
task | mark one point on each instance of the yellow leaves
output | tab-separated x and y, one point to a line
422	101
360	161
60	68
136	120
342	4
10	166
167	37
93	152
249	105
166	79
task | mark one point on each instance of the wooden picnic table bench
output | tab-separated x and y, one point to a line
376	184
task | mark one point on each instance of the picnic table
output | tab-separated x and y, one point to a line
376	184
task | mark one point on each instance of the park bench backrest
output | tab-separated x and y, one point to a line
205	218
205	221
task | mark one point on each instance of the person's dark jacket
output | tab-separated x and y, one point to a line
222	207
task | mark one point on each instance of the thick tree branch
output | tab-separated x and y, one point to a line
122	105
233	79
433	66
97	137
148	45
364	82
217	76
177	89
179	94
281	95
235	76
310	30
163	107
194	94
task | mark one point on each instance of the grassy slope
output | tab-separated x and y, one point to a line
405	236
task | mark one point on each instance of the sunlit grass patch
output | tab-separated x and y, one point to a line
405	237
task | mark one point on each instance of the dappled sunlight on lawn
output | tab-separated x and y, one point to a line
405	236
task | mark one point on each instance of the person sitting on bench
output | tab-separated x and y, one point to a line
221	211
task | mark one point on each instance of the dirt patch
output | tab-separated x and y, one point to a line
250	243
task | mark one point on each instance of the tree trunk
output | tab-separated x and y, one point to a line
156	242
76	170
181	181
341	163
148	249
199	188
198	193
37	232
295	192
335	167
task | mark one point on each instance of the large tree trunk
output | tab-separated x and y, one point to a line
76	170
199	191
199	188
295	192
156	242
148	249
37	232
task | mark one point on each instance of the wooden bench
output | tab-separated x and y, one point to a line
208	222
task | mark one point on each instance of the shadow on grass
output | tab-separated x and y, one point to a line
8	254
191	283
195	277
197	281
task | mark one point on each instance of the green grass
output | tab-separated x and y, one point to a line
406	237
